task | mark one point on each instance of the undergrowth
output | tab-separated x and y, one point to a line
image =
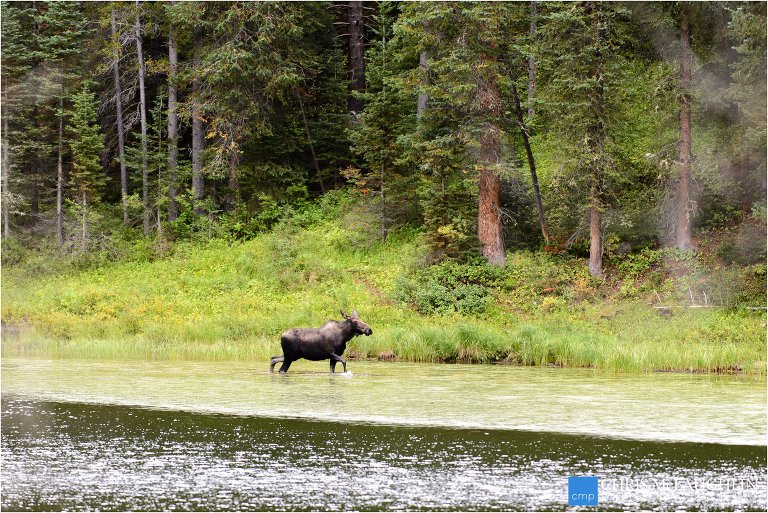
229	299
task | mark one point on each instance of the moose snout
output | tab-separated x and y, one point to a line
368	332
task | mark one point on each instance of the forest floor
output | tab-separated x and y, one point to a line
231	300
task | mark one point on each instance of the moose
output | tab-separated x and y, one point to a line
327	342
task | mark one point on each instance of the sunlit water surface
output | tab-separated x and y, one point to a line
388	436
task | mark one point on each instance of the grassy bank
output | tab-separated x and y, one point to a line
223	301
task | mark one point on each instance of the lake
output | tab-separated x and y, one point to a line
134	435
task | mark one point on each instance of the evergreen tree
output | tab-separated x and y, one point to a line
464	42
64	29
18	60
387	117
746	30
86	145
579	105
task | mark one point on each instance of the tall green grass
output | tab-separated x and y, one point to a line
231	301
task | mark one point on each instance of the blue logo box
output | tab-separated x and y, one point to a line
582	491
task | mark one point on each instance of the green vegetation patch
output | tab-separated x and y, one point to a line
230	300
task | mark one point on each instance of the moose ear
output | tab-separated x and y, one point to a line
343	314
355	314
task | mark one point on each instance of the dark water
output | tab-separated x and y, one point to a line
79	456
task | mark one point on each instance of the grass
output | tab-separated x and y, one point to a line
231	301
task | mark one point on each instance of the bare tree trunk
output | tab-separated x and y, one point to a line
532	66
684	211
6	178
60	175
34	199
383	210
85	225
311	144
232	195
159	190
198	137
489	225
531	166
173	135
423	99
489	230
356	55
597	149
143	113
595	235
119	119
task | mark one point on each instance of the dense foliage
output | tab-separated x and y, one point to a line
460	99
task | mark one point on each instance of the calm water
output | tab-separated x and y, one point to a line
229	436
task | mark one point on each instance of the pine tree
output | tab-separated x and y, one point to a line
86	145
18	59
746	30
357	36
61	42
464	42
578	109
388	116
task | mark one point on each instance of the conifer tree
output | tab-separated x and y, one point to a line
17	61
578	109
86	145
464	42
64	30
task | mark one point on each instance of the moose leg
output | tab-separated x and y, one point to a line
336	358
285	365
273	361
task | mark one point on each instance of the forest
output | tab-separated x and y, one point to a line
489	156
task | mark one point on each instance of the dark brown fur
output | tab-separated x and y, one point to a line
324	343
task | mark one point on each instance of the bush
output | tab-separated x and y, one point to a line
634	265
449	287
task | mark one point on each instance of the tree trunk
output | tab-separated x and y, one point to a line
489	230
531	165
119	120
595	236
532	66
489	226
85	225
311	144
34	199
684	211
596	148
159	189
232	195
173	136
421	102
6	165
383	210
356	55
143	113
60	175
198	135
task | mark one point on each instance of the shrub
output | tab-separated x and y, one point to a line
637	264
449	287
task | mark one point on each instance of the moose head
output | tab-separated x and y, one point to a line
357	323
